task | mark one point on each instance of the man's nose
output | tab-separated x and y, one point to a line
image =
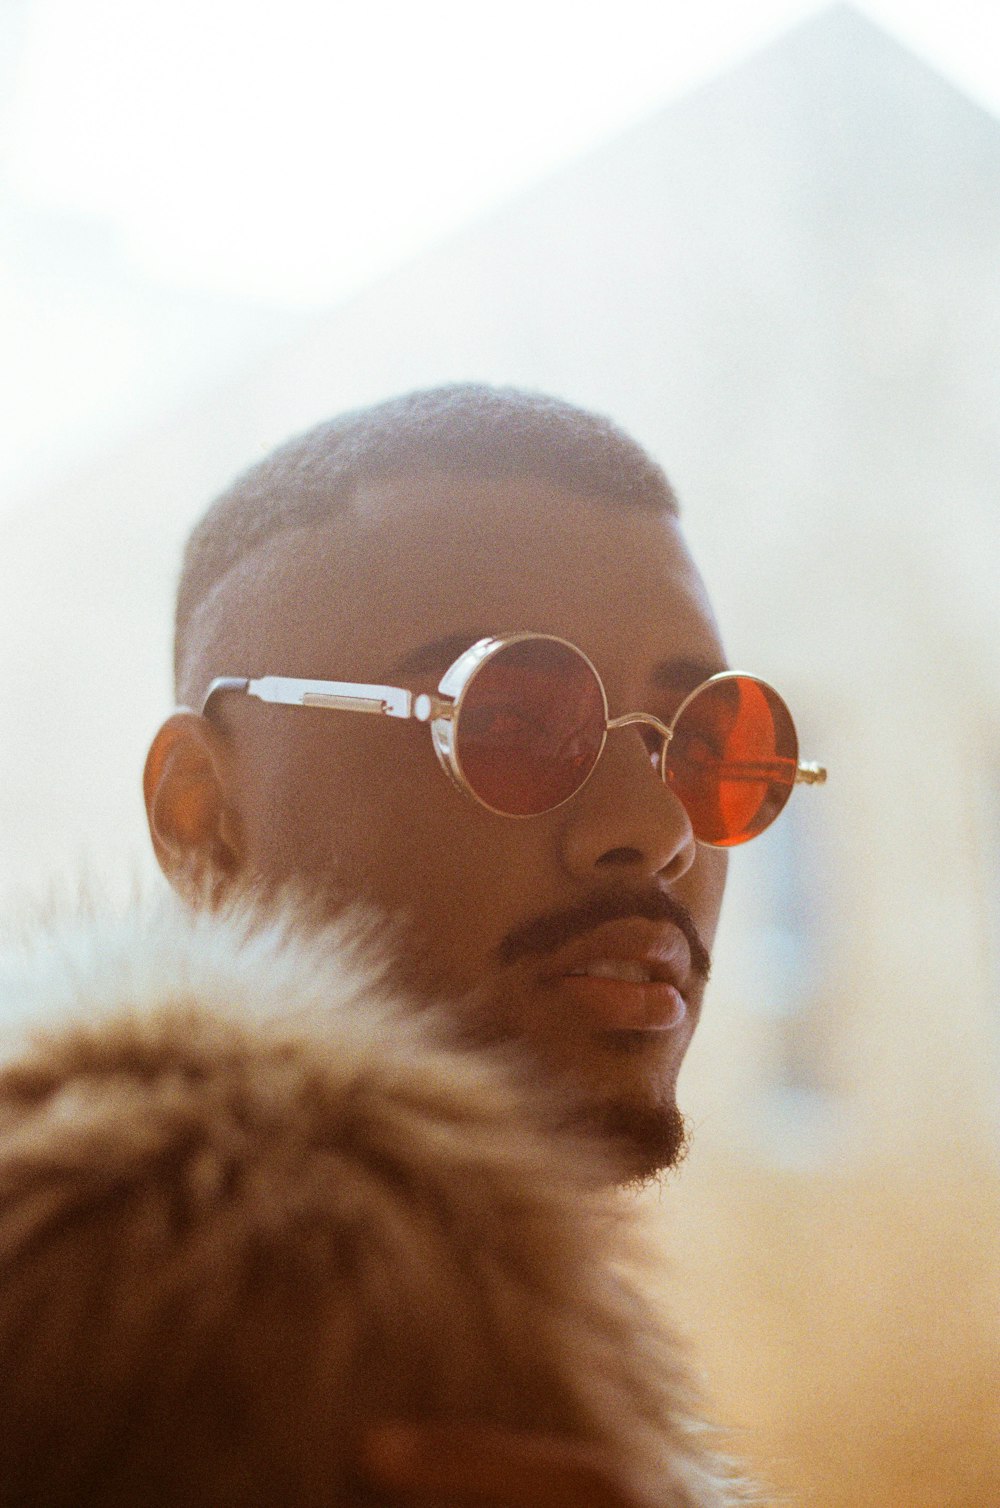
625	822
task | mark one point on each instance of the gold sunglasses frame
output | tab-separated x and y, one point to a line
443	709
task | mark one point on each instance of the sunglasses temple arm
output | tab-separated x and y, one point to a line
805	774
753	774
768	769
220	684
342	696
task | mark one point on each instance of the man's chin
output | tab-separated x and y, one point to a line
644	1140
644	1132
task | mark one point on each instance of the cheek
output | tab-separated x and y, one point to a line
455	886
456	870
307	788
702	889
370	813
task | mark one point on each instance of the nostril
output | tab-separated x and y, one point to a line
621	856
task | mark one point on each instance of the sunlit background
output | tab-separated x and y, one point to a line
179	184
766	237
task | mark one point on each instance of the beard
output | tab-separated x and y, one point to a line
640	1130
644	1141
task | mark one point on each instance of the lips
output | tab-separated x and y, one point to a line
629	975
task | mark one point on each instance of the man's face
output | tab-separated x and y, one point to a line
523	923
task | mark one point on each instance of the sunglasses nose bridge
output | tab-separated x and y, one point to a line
632	719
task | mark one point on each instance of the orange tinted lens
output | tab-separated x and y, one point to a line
530	727
733	759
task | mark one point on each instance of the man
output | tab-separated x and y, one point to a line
554	889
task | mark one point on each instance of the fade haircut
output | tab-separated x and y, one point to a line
464	429
251	1204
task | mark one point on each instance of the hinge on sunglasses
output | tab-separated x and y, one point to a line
427	708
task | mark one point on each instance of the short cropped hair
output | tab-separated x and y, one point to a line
250	1204
463	429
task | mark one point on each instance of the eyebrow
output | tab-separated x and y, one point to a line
684	675
438	654
669	675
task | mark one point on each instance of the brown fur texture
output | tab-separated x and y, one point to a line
249	1204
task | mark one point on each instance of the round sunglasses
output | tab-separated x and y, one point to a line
520	720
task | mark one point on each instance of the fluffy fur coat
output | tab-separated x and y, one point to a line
249	1203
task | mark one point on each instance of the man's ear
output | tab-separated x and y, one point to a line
196	833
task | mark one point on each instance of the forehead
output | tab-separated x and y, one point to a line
417	560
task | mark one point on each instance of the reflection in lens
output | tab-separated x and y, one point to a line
531	724
732	759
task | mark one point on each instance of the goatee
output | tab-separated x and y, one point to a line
644	1140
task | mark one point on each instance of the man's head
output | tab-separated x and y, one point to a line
374	550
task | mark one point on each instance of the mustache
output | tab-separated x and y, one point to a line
545	934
